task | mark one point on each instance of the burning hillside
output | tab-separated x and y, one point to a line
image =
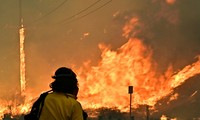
131	64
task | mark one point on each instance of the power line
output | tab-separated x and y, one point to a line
95	9
70	19
77	18
85	9
50	12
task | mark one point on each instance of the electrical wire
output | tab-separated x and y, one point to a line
77	18
50	12
70	19
85	9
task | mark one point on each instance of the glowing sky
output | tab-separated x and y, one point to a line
53	39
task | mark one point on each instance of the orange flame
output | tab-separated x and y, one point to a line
22	59
163	117
19	105
106	84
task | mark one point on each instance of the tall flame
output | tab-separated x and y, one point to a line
21	103
22	58
132	64
106	84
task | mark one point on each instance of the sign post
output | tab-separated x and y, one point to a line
130	91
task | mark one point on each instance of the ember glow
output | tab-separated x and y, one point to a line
163	117
19	105
170	1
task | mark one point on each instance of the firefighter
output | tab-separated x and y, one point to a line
61	103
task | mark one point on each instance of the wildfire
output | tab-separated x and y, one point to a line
19	105
106	85
132	64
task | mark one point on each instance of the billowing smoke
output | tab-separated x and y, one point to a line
171	29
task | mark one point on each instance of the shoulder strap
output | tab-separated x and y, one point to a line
42	97
39	103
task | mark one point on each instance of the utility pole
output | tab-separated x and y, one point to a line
130	91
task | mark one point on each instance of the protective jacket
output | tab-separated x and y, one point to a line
61	106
